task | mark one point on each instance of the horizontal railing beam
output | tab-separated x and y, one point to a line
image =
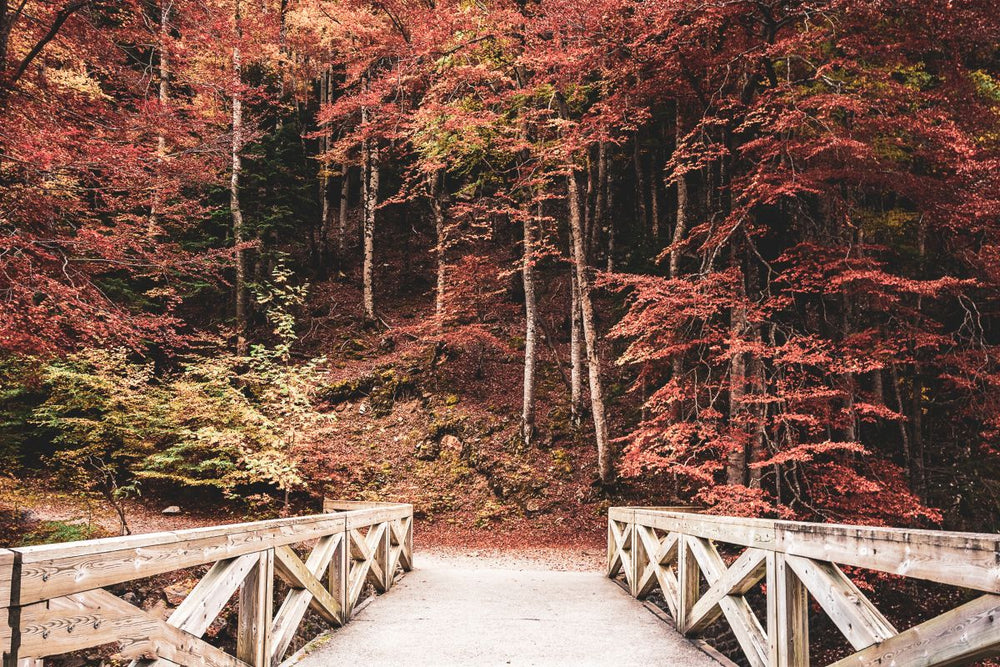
801	560
968	560
52	597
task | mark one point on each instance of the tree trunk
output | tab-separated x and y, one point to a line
234	190
326	212
589	202
680	229
370	177
437	207
166	7
904	436
575	353
345	191
600	199
736	461
605	462
640	187
530	330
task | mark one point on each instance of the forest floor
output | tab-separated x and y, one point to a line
409	417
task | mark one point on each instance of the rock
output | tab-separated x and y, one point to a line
175	593
173	509
452	443
28	516
427	450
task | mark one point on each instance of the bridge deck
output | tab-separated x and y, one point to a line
444	613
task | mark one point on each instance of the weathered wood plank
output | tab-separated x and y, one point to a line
957	637
688	581
338	578
56	570
288	566
969	560
197	611
787	615
253	630
853	613
739	578
654	553
743	622
95	618
294	606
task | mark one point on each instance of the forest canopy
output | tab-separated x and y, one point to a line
739	254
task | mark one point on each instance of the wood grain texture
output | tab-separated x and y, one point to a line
64	607
672	548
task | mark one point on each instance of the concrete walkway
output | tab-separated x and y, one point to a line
440	614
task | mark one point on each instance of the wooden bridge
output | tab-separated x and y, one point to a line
60	599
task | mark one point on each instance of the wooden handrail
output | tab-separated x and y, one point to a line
53	598
672	550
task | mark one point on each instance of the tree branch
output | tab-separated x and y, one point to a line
61	17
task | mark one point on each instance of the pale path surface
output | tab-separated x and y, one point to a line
446	613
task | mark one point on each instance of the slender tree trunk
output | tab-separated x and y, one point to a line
680	229
736	461
576	352
234	190
919	473
326	211
600	223
437	207
640	187
605	459
345	191
166	7
588	217
371	177
530	330
654	211
904	435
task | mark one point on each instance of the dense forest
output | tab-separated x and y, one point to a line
505	259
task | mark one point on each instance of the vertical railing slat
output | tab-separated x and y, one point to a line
253	637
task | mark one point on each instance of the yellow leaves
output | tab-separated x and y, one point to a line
77	80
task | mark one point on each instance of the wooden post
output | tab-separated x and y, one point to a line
339	577
10	571
787	615
612	549
688	582
253	636
408	545
638	559
383	556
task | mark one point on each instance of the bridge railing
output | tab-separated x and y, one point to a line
53	598
674	550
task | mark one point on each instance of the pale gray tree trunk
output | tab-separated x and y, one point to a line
371	177
234	189
326	211
600	222
166	9
605	458
575	352
530	331
437	207
345	191
680	229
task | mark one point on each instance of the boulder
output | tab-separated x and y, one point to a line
175	593
451	443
